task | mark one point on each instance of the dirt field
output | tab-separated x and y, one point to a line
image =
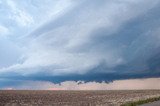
72	98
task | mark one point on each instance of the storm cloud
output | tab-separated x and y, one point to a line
85	40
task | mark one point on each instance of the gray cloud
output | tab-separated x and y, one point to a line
116	37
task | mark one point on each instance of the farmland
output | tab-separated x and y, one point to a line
73	98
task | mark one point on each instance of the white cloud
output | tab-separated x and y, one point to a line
3	31
19	15
66	45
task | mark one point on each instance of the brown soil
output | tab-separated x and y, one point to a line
72	98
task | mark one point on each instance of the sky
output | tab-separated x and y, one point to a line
78	43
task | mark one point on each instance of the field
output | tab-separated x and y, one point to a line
73	98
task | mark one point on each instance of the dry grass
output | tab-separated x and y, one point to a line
140	102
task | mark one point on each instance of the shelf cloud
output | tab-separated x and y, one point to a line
83	40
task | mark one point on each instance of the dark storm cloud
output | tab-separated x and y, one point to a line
93	41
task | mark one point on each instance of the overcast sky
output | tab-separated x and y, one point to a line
78	40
